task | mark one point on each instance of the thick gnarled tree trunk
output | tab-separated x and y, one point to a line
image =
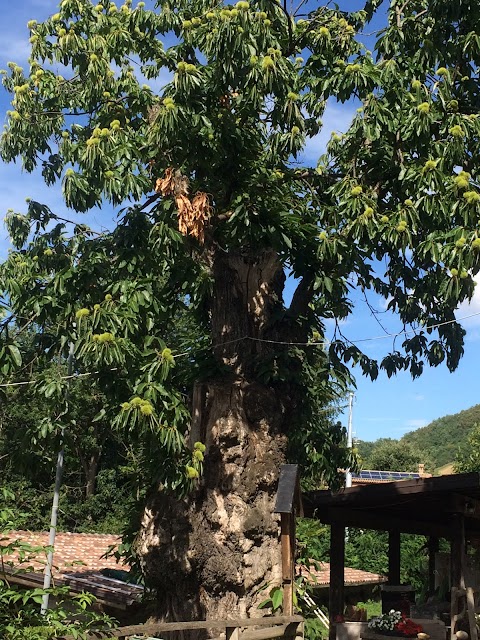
211	554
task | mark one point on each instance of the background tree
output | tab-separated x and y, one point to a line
366	448
467	458
394	456
366	550
435	444
98	476
441	438
219	211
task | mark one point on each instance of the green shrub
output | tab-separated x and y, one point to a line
32	633
315	629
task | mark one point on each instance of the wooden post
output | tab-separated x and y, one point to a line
232	633
287	538
457	552
288	498
394	557
457	571
472	623
337	576
432	551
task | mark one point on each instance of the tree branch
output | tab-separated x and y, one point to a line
302	297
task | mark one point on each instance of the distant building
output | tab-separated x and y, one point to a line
318	576
81	561
360	586
368	476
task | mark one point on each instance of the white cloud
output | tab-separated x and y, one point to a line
416	423
337	118
401	431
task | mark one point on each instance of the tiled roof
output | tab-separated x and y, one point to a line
77	552
77	562
71	549
320	575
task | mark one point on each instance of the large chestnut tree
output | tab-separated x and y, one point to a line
217	210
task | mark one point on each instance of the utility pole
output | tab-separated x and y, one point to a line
348	475
47	578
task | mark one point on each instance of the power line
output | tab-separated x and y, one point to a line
322	343
69	377
312	343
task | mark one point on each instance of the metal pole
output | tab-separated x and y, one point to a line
348	475
47	579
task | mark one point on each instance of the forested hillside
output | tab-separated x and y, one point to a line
435	445
441	438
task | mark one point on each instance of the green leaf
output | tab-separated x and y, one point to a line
15	353
277	597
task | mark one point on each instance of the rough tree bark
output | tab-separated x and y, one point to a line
210	554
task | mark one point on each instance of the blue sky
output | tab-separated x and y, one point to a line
385	408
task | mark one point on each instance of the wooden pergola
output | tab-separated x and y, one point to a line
438	507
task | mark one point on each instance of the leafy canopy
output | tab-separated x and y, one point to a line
207	158
467	458
395	456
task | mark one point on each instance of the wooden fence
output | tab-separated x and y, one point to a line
273	627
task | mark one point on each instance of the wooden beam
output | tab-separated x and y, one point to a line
457	503
285	630
394	557
155	628
366	519
337	576
300	631
390	491
457	609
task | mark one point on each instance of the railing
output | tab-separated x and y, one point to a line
316	610
276	627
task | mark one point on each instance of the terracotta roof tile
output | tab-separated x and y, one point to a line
73	551
88	549
78	560
321	575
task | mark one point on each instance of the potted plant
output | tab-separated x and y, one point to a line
394	623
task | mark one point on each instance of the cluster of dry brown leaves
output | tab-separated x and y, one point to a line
193	214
